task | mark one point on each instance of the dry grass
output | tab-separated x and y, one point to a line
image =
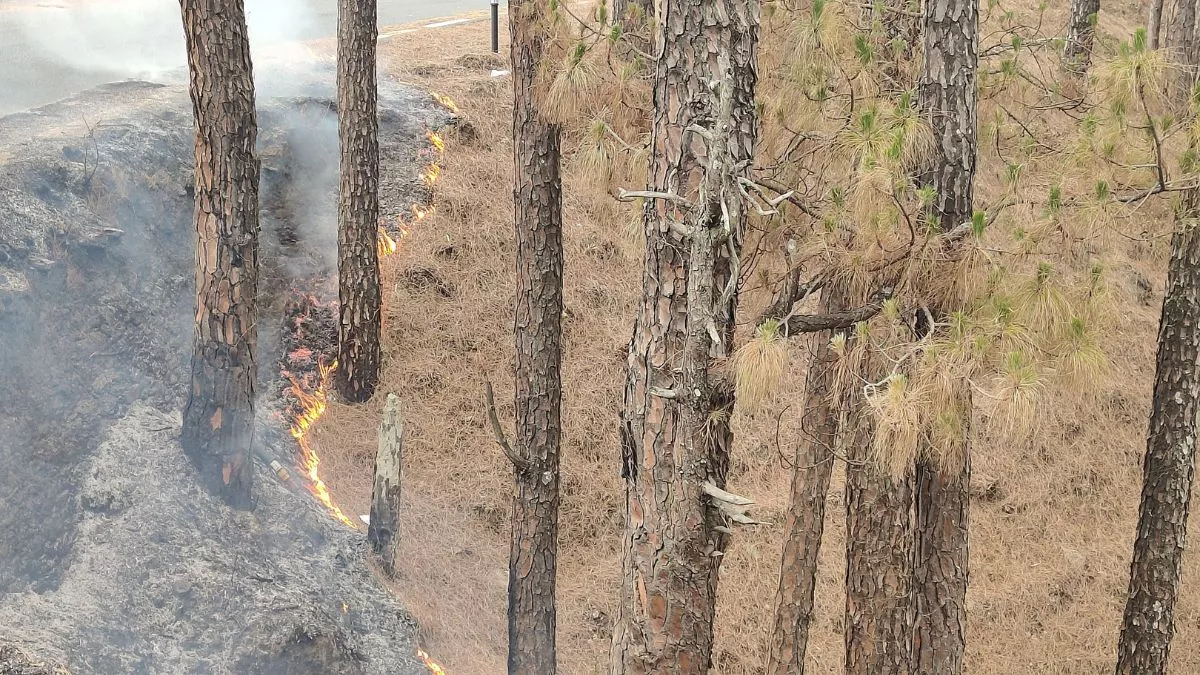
1052	517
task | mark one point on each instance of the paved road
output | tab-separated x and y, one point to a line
51	51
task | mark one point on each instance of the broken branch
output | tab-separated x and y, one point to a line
630	195
813	323
498	432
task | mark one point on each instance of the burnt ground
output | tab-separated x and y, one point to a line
112	558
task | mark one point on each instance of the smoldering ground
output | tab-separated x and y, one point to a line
111	557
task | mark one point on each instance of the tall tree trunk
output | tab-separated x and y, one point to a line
358	205
805	525
675	433
1170	462
948	94
218	422
533	557
1081	35
1186	43
879	606
1154	24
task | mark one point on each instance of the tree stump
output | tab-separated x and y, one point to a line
383	529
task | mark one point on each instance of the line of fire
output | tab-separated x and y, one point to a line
310	360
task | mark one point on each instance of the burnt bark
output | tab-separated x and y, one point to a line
538	333
1169	466
675	433
805	523
879	604
948	95
383	526
218	421
1081	35
359	314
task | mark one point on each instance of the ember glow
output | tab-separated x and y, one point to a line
433	666
312	406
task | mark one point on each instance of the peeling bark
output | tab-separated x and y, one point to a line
218	421
672	445
1169	466
533	556
359	321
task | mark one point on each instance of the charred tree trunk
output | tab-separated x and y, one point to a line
358	204
948	94
218	422
805	526
1170	463
538	330
383	526
675	432
879	605
1081	35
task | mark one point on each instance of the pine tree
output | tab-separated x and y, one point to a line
948	96
675	427
218	422
533	558
358	205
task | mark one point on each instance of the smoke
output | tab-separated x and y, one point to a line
143	39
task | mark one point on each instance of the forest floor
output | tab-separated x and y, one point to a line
1052	517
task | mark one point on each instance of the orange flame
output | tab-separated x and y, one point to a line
446	102
432	173
313	404
385	244
433	666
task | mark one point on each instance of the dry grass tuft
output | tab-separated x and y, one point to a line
760	365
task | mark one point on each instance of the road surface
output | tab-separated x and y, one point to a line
50	49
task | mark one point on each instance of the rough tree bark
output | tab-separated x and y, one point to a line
805	525
1169	466
1081	35
948	94
538	332
1186	43
675	433
383	525
879	605
218	421
358	204
1154	24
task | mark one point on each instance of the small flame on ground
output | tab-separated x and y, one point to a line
446	102
313	404
433	666
385	244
